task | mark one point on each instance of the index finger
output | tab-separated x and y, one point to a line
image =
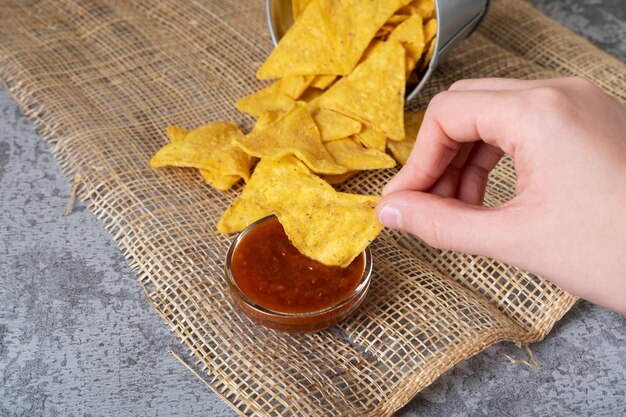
454	118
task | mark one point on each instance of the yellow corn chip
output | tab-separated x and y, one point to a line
249	206
430	30
311	217
355	157
267	119
298	7
424	8
333	125
323	81
264	102
340	178
221	182
306	49
328	38
425	61
396	19
402	149
412	79
207	148
382	34
294	133
410	34
293	87
374	92
310	94
371	139
176	133
353	24
277	97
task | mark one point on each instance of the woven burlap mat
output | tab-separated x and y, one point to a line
101	80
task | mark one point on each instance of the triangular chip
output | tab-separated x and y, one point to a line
356	158
424	8
339	178
374	92
267	119
430	30
208	148
333	125
293	87
310	94
176	133
298	7
329	37
371	139
294	133
269	99
353	24
323	81
221	182
396	19
306	49
410	34
325	225
250	206
402	149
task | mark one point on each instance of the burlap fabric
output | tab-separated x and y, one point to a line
102	79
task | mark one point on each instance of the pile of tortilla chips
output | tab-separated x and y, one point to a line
336	108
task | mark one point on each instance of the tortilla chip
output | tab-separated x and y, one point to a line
267	119
310	94
208	148
176	133
410	34
424	8
333	125
396	19
412	79
339	178
265	101
306	49
328	38
354	24
355	157
298	6
371	139
293	87
374	92
249	206
402	149
294	133
430	30
425	60
221	182
277	97
323	81
325	225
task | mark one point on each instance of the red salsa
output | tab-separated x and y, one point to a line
275	275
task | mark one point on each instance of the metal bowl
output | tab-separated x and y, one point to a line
456	20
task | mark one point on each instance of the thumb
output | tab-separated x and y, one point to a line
448	223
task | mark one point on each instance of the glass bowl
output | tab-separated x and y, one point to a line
295	322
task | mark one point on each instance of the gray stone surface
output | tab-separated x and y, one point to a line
77	337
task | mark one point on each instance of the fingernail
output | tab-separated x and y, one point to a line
390	217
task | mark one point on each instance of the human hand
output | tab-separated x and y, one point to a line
567	221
